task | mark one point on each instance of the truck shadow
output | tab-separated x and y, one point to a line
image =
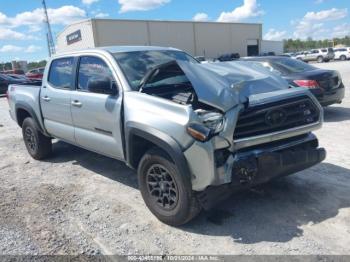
336	114
276	212
107	167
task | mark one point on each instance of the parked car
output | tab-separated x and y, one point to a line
319	55
19	77
5	81
194	132
200	58
342	53
287	55
228	57
268	54
35	73
326	85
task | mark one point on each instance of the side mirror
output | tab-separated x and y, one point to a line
102	86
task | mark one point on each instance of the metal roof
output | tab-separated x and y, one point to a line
121	49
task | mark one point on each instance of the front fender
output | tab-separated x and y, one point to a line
158	138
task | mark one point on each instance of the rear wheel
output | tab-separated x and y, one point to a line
38	145
320	59
166	192
343	58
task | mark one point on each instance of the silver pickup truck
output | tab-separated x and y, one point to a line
194	132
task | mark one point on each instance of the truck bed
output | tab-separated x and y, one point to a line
26	96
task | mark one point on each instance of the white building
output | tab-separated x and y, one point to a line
272	46
210	39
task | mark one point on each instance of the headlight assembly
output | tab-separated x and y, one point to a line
212	120
212	123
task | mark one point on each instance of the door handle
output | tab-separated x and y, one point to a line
46	98
77	103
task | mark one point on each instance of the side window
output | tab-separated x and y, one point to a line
93	69
61	73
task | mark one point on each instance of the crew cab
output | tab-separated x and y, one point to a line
194	132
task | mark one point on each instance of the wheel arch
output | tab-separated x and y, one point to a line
24	110
140	138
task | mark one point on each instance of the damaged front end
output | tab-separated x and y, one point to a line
246	125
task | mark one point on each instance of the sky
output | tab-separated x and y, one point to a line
23	33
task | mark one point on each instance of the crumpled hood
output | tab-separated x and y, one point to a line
225	85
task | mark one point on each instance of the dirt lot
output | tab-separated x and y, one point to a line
79	202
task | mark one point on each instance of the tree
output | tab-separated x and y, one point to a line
295	45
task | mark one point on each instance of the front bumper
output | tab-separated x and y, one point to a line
259	166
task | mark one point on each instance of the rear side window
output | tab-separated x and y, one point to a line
92	68
61	73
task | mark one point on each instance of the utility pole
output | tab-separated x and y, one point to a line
50	42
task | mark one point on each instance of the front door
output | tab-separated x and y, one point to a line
55	99
96	112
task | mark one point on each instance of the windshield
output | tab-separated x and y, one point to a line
289	66
136	64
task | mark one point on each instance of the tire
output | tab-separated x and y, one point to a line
343	58
320	59
38	145
166	192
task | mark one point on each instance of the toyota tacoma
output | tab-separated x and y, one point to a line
194	132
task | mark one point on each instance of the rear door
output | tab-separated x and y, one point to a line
96	112
55	99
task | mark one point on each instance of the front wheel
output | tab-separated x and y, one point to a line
320	59
343	58
166	192
38	145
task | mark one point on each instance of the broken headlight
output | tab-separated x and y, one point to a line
212	123
212	120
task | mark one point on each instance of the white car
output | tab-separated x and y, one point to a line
342	53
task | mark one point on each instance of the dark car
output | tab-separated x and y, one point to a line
19	77
326	85
5	81
228	57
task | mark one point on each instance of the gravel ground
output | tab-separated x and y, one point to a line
78	202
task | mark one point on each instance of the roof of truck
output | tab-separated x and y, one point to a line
115	49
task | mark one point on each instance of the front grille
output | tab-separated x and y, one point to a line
274	117
329	83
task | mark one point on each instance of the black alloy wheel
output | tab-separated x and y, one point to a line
162	187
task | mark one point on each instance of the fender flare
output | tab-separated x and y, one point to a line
161	140
25	106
